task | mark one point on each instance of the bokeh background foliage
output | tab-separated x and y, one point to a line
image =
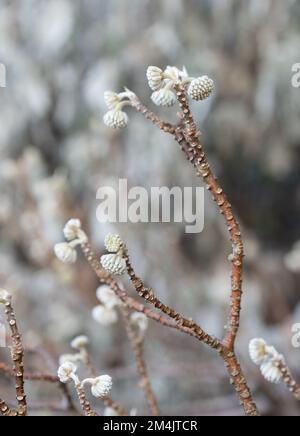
61	55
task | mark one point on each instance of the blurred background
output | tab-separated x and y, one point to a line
55	152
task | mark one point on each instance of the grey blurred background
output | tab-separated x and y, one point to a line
55	152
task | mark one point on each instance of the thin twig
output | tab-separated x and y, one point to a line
137	346
17	355
187	136
86	407
106	278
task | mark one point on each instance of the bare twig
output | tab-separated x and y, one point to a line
17	355
86	407
187	136
137	346
106	278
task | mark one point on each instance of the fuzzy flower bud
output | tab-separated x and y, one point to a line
67	372
111	99
71	229
271	372
104	315
155	77
200	88
163	97
258	351
100	386
113	243
115	119
113	264
140	321
80	342
4	296
65	252
73	358
107	297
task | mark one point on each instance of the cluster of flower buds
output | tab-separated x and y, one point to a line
113	263
116	118
79	344
66	251
106	313
100	386
162	83
268	359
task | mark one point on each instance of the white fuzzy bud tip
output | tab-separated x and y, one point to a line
111	99
107	297
73	358
115	119
113	264
139	320
155	77
258	350
65	252
113	242
79	342
5	296
200	88
104	315
100	386
163	97
72	229
271	372
67	372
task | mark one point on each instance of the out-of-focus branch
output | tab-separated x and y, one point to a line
137	346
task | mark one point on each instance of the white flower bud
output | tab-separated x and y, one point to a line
113	264
258	350
67	372
139	320
113	242
200	88
65	252
155	77
72	229
104	315
111	99
107	297
73	358
100	386
116	119
271	372
163	97
5	296
79	342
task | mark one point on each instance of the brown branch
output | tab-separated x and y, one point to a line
5	410
17	355
148	295
137	346
187	136
106	278
48	378
289	380
86	407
